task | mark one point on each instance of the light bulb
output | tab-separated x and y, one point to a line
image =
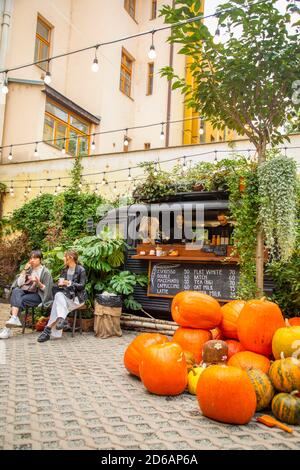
152	52
95	65
93	145
201	131
162	136
63	150
36	153
126	142
4	88
10	156
48	78
217	37
29	189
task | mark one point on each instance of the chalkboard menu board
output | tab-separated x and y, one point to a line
219	281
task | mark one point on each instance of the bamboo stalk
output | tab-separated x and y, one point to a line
146	324
148	330
125	317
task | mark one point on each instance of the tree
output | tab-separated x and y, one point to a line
248	82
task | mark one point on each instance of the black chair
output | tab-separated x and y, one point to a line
27	309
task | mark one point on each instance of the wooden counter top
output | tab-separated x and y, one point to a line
197	259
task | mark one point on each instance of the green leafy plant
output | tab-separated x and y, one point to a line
54	261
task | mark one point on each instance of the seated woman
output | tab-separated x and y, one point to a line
31	288
70	294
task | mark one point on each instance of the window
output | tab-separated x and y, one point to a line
147	145
129	6
153	9
150	78
62	124
42	42
126	73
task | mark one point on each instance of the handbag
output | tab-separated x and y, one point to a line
29	286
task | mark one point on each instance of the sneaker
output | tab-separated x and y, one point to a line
45	336
5	333
13	322
61	323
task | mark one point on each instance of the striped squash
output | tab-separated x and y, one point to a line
285	374
286	407
263	388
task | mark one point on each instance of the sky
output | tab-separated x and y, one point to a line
211	6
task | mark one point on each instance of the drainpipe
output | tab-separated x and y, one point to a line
169	101
6	13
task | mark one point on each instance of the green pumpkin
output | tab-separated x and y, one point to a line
286	407
285	374
263	388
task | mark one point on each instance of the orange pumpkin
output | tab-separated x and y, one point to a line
234	347
295	321
250	360
231	313
192	339
163	369
226	394
257	324
217	333
132	356
196	310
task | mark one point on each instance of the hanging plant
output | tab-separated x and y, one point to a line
278	205
244	208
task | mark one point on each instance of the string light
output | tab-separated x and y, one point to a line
126	141
40	192
216	157
63	150
11	189
129	175
4	88
36	153
59	187
115	187
10	156
95	64
48	78
162	134
184	165
155	172
217	36
29	187
103	179
93	145
96	189
152	51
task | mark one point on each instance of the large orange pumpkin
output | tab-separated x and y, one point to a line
250	360
234	347
196	310
192	339
231	313
226	394
295	321
163	369
132	356
257	324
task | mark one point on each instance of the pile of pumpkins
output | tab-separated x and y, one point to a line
240	358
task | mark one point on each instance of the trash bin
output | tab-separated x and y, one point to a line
108	310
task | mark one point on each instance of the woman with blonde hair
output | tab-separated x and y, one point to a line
69	295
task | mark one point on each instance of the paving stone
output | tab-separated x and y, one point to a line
88	401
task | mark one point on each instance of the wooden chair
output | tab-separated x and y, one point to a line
41	306
78	312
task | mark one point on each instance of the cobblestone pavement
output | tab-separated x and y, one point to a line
75	394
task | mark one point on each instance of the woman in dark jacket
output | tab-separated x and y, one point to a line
70	295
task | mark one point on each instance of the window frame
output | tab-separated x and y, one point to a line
150	79
40	39
68	126
125	69
153	10
127	7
